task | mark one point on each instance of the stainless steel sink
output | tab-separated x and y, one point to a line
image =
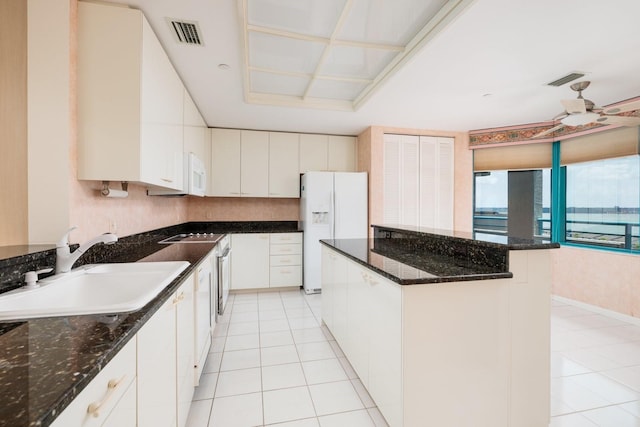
92	289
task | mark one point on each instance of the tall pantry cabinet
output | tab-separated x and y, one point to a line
418	181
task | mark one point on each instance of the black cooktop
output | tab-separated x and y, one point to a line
194	238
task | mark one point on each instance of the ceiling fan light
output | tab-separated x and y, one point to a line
579	119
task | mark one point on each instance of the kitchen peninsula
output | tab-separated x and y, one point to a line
444	328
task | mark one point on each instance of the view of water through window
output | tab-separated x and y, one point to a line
602	205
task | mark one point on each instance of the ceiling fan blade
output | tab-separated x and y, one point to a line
548	131
622	108
619	120
574	106
560	116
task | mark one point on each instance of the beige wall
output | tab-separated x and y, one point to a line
604	279
242	209
13	122
370	159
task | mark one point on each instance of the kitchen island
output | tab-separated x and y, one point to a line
444	329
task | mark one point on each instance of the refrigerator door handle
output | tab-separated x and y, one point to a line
332	214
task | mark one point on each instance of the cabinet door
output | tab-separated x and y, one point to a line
249	261
124	414
284	178
385	347
162	96
156	364
436	182
328	287
185	348
341	154
195	131
401	191
254	164
314	152
225	163
339	292
107	395
356	346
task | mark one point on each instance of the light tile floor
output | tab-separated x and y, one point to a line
595	369
272	363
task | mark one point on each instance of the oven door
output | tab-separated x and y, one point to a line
224	278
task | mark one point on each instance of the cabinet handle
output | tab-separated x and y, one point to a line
364	276
167	179
285	250
285	271
94	408
234	192
178	298
285	260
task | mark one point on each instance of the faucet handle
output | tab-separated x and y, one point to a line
31	277
64	240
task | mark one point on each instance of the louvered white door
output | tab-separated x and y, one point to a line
436	182
401	171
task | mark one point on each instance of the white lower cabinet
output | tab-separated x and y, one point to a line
249	261
185	348
109	400
165	361
156	369
366	322
263	260
151	381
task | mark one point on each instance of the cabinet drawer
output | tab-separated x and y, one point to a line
287	249
280	260
283	238
286	276
94	404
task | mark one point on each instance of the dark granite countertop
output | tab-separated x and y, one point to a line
45	363
511	243
410	268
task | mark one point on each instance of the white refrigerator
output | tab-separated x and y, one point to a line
333	205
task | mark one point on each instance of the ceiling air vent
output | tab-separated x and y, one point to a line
566	79
187	32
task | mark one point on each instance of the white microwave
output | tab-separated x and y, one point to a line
197	176
194	179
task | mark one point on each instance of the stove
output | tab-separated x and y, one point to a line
193	238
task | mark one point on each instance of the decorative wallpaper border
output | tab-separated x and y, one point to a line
523	134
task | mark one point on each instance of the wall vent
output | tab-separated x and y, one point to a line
186	32
566	79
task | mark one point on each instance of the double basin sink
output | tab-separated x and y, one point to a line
92	289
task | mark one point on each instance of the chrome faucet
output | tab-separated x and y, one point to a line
65	258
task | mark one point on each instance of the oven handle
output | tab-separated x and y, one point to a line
225	253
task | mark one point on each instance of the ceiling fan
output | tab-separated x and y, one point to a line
581	111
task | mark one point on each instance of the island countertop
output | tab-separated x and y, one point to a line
414	255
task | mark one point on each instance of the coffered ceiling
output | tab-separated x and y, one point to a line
338	66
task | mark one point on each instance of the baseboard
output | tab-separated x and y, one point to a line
599	310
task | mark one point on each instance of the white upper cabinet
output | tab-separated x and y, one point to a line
254	164
341	156
247	163
284	178
130	100
195	130
314	151
225	163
